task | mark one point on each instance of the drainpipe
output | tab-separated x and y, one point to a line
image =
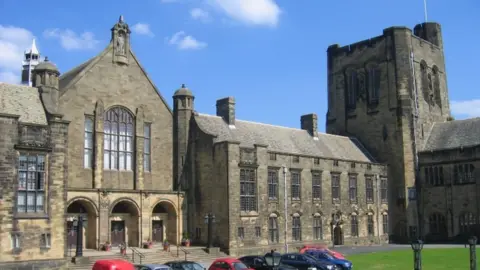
285	201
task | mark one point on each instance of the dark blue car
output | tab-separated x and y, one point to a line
306	262
324	256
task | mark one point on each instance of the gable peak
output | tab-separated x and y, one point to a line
120	41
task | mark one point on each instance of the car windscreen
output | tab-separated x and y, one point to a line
192	266
327	256
239	266
309	257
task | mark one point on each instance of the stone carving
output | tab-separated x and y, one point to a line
104	202
34	136
248	156
120	46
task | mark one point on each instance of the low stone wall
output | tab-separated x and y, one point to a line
35	265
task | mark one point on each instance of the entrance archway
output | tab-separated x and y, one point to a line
124	223
337	235
85	208
164	222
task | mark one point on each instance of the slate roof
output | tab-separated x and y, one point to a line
23	101
284	139
67	77
453	134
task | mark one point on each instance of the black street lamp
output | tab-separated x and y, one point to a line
417	247
272	259
209	220
79	224
472	242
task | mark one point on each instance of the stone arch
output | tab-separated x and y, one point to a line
165	221
436	85
274	214
87	209
124	222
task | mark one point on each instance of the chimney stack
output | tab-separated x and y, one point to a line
308	122
226	109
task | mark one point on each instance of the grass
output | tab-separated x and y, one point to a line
432	259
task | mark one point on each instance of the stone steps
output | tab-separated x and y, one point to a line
156	256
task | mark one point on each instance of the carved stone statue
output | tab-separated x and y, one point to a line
120	46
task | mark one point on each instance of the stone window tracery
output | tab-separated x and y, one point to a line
273	234
31	183
118	139
296	228
248	190
317	227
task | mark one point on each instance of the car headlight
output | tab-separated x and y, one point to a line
311	268
330	267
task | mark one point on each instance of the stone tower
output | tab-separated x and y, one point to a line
183	105
388	91
30	61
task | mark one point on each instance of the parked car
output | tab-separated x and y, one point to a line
306	262
185	265
113	265
334	253
323	255
258	263
228	264
152	267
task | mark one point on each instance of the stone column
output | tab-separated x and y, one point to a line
139	137
98	145
103	219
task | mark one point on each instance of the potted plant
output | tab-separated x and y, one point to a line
123	249
166	245
107	246
185	240
148	244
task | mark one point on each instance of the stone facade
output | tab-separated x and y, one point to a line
102	134
388	91
223	150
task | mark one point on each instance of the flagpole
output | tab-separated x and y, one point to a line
425	9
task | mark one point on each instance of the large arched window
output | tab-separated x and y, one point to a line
466	222
118	139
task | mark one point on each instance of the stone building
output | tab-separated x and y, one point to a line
268	186
95	142
391	93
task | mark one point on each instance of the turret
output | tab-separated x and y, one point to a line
45	78
182	113
429	31
30	61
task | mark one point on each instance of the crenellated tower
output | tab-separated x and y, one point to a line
388	91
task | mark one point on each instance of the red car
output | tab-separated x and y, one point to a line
335	254
228	264
113	265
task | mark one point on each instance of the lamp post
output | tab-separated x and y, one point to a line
209	220
472	242
272	259
79	247
335	221
417	247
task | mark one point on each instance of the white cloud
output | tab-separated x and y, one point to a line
468	108
185	42
142	29
251	12
71	40
200	14
13	42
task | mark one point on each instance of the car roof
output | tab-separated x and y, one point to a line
155	265
251	256
181	262
229	260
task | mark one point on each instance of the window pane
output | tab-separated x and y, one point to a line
22	180
88	125
107	127
113	160
32	163
121	161
146	131
106	142
146	146
30	202
114	143
146	162
130	130
129	144
39	202
21	198
40	163
22	160
88	140
114	129
123	129
106	159
87	158
122	143
129	161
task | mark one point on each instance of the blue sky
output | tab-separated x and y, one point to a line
269	54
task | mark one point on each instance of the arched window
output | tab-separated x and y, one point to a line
354	225
317	227
437	224
273	228
466	222
118	139
374	80
351	89
436	85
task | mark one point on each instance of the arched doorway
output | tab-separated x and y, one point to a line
337	235
86	209
124	224
164	222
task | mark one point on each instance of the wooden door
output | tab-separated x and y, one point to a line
71	235
117	232
157	231
338	236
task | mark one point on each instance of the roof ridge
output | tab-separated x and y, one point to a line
271	125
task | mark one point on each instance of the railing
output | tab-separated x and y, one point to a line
138	254
185	252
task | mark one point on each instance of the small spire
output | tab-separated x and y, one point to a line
183	85
120	20
34	49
